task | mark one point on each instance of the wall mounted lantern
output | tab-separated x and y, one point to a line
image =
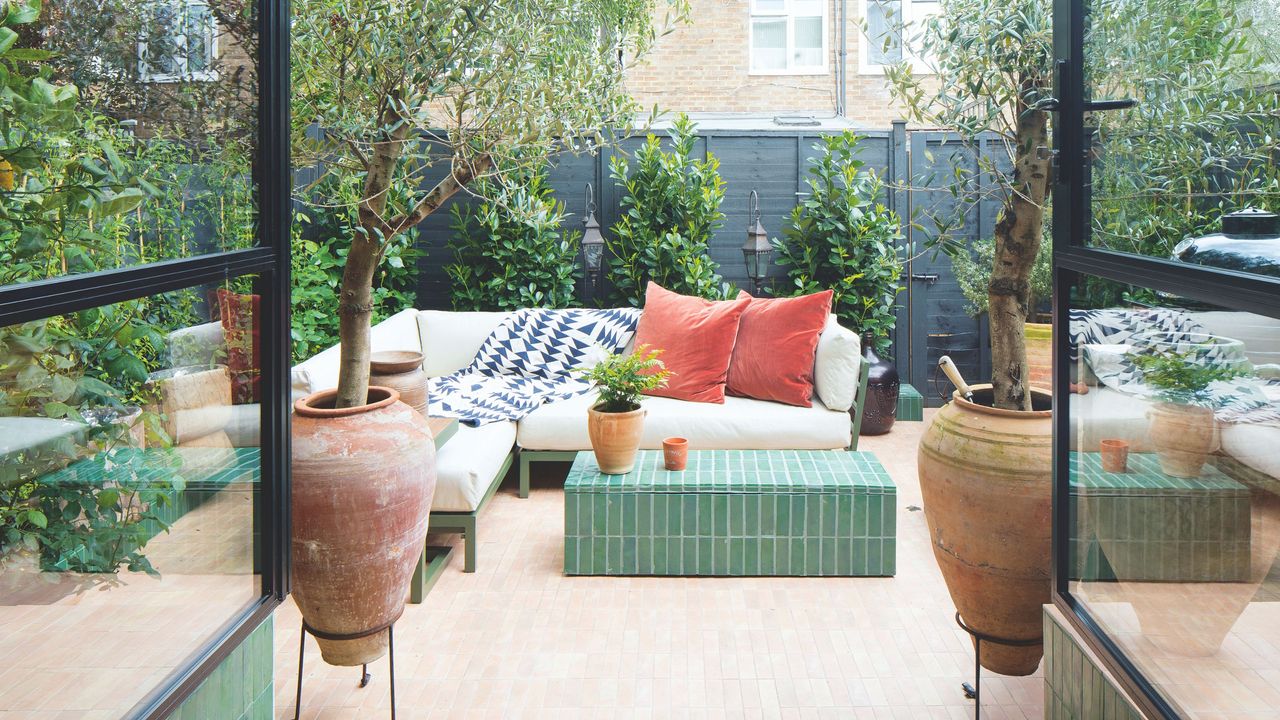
592	241
757	249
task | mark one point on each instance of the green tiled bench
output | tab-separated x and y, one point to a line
1148	526
910	403
733	512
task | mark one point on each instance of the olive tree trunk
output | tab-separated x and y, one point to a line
355	304
1017	242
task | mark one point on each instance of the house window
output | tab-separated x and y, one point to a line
180	44
788	37
890	28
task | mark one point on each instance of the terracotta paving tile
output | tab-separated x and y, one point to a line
518	639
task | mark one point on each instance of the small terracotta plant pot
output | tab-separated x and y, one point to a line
1115	456
675	452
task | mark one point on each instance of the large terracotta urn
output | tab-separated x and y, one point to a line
615	438
1183	436
363	481
987	480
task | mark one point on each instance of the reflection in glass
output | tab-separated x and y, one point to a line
1175	492
129	476
1202	140
129	135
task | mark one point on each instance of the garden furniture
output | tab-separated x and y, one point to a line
733	512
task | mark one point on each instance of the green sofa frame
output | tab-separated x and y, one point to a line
529	457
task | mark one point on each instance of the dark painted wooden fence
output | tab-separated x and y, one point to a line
774	162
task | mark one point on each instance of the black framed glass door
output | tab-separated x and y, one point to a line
144	357
1167	348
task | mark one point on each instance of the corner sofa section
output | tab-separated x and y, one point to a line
471	466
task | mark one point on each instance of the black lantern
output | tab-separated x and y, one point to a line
757	250
592	240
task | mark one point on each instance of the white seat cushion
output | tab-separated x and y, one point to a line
1256	445
1103	414
468	462
738	424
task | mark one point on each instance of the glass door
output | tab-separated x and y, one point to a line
1167	380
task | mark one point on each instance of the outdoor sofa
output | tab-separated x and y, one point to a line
471	466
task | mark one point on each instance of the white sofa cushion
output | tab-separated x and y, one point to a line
468	462
320	372
836	366
450	340
1104	414
738	424
1256	445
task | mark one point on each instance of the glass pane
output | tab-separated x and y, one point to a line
129	478
769	7
1202	141
150	156
769	44
884	32
807	51
1175	492
802	8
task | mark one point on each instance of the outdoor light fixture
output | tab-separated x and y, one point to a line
758	250
592	240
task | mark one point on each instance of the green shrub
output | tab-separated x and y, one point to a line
622	379
842	238
321	235
973	273
509	251
670	208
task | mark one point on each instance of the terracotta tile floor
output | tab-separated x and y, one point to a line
517	639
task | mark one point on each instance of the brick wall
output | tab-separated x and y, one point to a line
702	66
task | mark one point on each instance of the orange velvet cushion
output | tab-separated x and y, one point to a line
777	340
696	337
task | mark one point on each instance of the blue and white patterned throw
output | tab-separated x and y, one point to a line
530	360
1107	336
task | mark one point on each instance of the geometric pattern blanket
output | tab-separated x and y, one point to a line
530	359
1107	336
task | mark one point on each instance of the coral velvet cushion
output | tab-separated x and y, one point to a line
241	329
777	342
696	337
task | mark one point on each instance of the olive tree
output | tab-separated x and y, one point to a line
435	94
1200	141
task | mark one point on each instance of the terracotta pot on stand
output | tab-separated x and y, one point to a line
1183	436
883	386
363	481
401	370
987	480
615	438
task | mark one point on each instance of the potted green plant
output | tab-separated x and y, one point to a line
616	421
1182	427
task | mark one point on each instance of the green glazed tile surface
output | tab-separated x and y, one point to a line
733	513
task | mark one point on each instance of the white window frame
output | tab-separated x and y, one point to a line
914	12
207	75
789	14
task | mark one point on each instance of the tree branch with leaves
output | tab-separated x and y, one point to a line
442	93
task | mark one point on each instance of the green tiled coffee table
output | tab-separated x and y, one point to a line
910	403
733	512
1146	526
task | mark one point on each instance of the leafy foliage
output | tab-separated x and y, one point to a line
509	251
1180	377
843	238
973	273
670	208
473	89
321	239
623	379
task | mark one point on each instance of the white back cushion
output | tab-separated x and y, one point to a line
320	372
450	340
836	366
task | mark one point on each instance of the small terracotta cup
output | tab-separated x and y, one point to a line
675	453
1115	456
